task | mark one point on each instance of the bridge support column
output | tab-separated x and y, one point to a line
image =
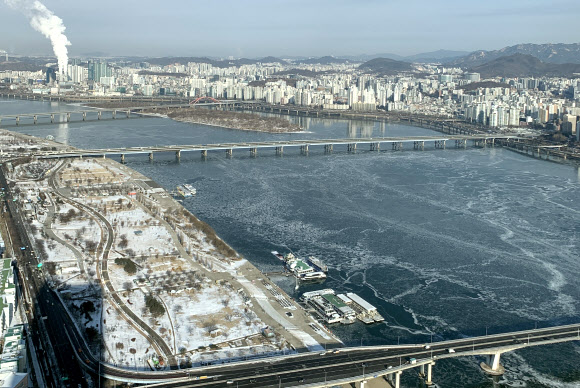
429	380
375	146
128	114
17	120
352	147
304	149
279	150
52	118
493	366
178	155
122	158
440	144
204	154
68	117
99	115
328	148
35	119
150	155
253	151
229	153
398	379
114	114
397	146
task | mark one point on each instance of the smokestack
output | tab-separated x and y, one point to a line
48	24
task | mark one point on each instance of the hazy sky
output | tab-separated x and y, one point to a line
256	28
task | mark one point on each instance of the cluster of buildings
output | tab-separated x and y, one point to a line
13	360
430	90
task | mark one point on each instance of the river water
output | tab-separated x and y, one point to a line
446	243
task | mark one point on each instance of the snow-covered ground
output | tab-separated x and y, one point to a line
120	337
206	318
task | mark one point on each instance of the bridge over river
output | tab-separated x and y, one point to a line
343	365
351	144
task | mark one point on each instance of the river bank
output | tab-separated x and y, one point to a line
193	294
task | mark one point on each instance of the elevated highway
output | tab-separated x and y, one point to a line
347	365
374	144
95	114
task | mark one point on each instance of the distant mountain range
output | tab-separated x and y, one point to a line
327	60
164	61
524	65
551	53
441	56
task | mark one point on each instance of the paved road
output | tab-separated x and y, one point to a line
56	346
155	339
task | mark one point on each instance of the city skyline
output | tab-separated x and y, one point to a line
257	28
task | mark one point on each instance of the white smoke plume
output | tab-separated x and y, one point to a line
48	24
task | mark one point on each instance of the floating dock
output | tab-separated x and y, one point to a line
332	308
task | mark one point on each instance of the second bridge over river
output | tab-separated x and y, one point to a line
351	144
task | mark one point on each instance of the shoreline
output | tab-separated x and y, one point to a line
218	264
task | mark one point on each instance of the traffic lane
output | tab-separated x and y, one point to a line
390	359
294	379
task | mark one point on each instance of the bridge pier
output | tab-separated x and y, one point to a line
229	153
35	119
128	113
304	149
493	366
68	117
397	146
122	158
429	380
375	146
99	115
178	155
398	379
279	150
440	144
114	114
51	118
419	145
204	154
17	120
328	148
352	147
150	155
253	151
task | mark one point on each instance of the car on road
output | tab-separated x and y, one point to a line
450	350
